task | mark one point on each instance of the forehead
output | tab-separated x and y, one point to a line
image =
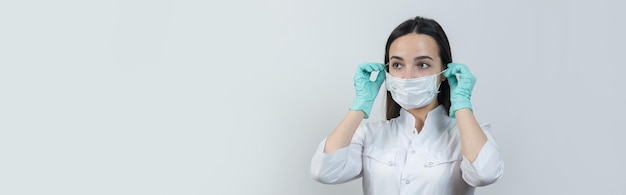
411	45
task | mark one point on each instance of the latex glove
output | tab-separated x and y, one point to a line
460	88
367	90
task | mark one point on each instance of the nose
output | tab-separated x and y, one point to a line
409	73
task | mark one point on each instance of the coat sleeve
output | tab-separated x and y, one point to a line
340	166
488	166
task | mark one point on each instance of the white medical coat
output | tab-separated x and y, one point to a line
393	158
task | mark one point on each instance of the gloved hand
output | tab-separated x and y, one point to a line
461	88
367	90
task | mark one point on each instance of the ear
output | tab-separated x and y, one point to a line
443	78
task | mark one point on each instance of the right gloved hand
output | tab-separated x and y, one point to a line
367	90
461	88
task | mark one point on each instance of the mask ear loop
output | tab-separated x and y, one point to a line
444	79
387	67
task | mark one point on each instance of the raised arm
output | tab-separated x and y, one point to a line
366	91
472	136
482	164
338	158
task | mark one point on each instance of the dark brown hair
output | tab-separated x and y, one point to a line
430	27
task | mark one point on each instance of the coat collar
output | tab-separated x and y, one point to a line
436	120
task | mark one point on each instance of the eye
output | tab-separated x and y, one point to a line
423	65
396	65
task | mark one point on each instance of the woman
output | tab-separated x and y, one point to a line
431	142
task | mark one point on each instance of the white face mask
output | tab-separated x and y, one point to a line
413	93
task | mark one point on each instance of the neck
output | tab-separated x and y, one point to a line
420	114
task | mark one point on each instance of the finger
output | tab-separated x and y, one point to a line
447	72
361	72
453	81
462	68
466	75
464	72
380	67
456	68
454	64
376	66
368	68
450	72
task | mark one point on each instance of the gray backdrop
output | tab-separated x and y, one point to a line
232	97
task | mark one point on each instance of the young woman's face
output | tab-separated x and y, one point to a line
414	55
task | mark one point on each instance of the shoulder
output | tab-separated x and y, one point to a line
484	126
453	131
373	126
381	129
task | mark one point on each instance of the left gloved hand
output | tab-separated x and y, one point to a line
366	90
460	88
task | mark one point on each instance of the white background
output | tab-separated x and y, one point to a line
232	97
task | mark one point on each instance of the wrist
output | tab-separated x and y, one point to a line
362	105
456	106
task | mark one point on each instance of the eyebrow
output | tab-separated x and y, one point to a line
414	59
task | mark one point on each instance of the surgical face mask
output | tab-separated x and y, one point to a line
413	93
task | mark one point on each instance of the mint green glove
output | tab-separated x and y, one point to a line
367	90
461	88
